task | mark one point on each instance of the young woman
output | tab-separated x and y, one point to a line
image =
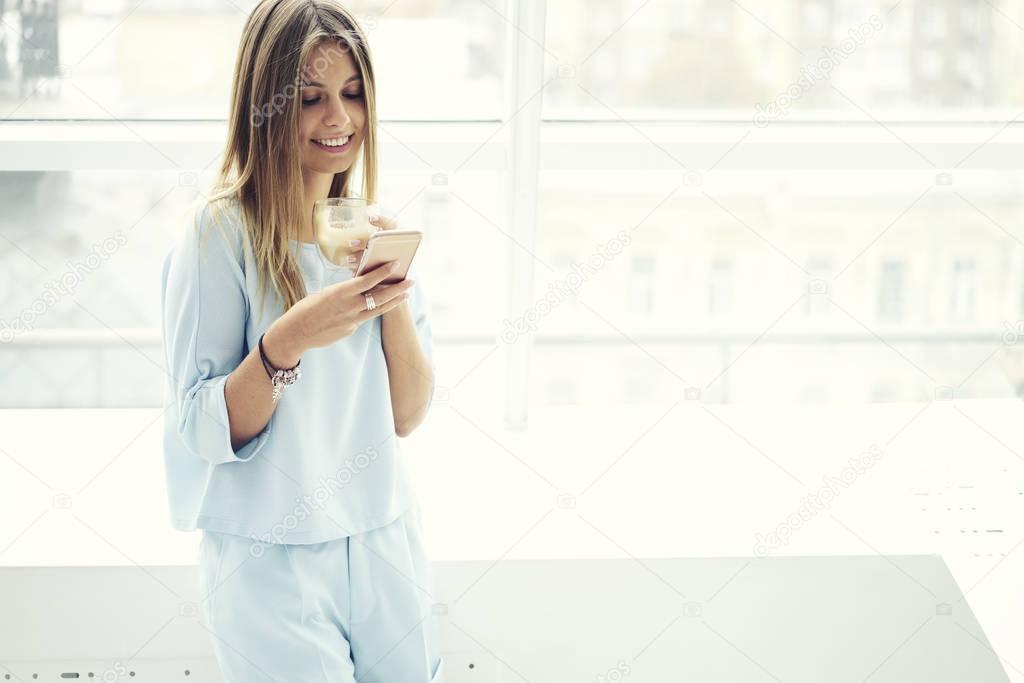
292	378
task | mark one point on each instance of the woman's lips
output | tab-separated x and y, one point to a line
334	150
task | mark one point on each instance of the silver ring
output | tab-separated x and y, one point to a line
370	304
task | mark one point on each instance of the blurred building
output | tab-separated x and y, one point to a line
695	285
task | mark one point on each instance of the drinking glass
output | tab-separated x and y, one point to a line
336	221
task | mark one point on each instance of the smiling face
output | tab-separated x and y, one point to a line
332	109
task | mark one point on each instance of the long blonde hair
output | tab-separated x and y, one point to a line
262	167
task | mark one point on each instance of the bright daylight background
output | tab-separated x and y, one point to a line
815	263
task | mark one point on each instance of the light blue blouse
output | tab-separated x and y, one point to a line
328	464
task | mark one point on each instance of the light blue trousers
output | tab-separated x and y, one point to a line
351	609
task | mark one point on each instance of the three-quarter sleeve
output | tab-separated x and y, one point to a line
204	314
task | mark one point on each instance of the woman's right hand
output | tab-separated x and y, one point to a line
331	314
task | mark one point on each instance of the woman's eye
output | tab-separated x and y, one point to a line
348	96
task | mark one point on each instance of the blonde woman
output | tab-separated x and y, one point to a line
292	378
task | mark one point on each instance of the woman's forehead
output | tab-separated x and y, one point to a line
329	62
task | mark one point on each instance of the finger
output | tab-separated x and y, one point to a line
383	292
387	294
384	296
383	222
376	276
380	309
353	259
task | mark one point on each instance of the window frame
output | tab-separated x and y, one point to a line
524	143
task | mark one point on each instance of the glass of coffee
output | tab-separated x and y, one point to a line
338	221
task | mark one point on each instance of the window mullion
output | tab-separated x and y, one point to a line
523	111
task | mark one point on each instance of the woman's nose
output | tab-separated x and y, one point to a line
336	114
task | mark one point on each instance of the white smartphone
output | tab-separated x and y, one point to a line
384	246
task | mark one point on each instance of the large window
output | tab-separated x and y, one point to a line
114	59
685	258
916	59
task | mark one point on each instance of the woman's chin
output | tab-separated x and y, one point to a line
319	166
